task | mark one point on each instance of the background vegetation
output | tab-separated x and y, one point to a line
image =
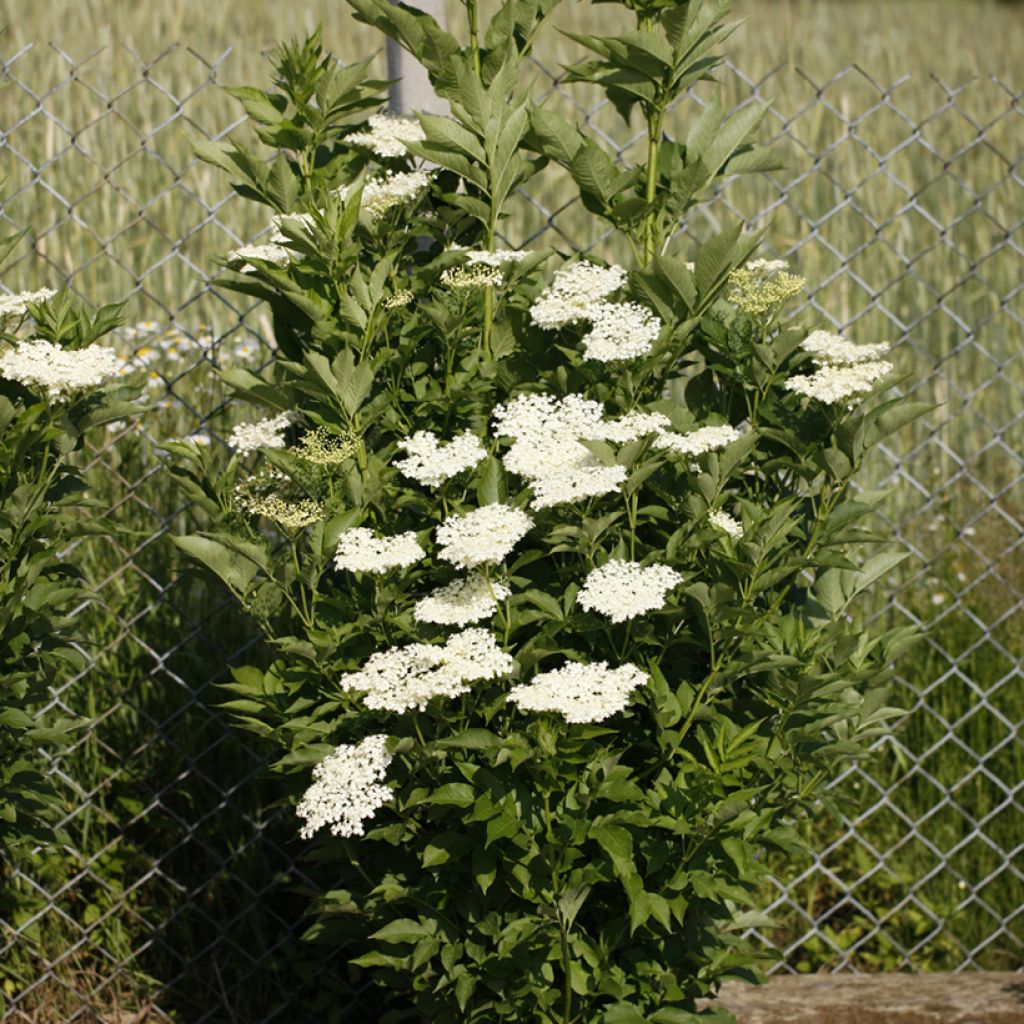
165	840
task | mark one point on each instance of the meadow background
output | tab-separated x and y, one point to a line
175	889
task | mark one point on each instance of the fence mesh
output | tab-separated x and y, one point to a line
174	890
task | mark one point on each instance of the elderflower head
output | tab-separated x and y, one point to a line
461	278
274	496
430	462
495	257
762	285
38	363
460	602
487	534
580	693
401	298
360	551
573	292
265	433
834	350
726	523
347	788
17	305
380	194
833	384
621	330
388	135
622	590
697	442
323	448
403	678
273	253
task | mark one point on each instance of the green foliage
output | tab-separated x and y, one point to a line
524	867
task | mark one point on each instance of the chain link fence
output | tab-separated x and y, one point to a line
177	888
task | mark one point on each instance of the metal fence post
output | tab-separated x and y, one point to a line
411	90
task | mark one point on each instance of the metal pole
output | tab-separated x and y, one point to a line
412	91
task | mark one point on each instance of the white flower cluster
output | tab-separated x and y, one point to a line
573	292
360	551
726	523
17	305
622	590
430	462
459	278
273	253
580	693
401	298
834	350
461	602
408	677
347	788
388	135
697	442
495	257
39	363
486	534
839	383
265	433
546	445
380	194
620	330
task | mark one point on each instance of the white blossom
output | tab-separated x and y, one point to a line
621	330
573	292
347	788
697	442
409	677
834	350
635	425
486	534
38	363
388	135
273	253
431	462
461	602
459	278
839	383
265	433
380	194
360	551
622	590
17	305
495	257
726	523
580	693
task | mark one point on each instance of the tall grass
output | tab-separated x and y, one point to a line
120	208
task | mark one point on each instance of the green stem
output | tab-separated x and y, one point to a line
473	42
651	242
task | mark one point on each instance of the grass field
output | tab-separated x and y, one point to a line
903	195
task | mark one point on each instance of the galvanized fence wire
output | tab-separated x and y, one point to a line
902	204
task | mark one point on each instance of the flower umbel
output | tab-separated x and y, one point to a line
265	433
580	693
37	363
486	534
431	462
460	602
623	590
347	788
17	305
388	135
360	551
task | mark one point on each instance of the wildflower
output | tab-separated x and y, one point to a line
401	298
833	384
347	788
360	551
276	254
580	693
388	135
323	448
409	677
200	438
495	257
573	292
265	433
460	602
762	285
272	495
622	590
17	305
623	330
635	425
460	278
486	534
40	364
430	462
697	442
380	194
834	350
726	523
